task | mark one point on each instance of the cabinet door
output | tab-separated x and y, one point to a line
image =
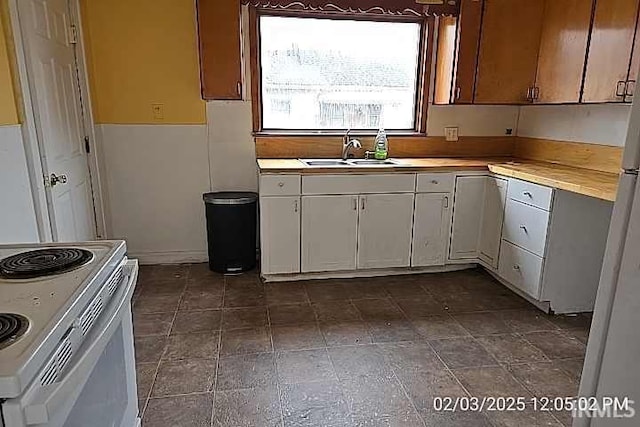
563	49
495	196
610	48
509	47
220	58
468	44
431	226
280	234
467	217
329	233
384	230
635	66
457	54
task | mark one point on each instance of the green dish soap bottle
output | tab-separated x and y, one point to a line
382	145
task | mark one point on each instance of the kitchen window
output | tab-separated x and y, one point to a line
330	74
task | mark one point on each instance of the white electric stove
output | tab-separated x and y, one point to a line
66	335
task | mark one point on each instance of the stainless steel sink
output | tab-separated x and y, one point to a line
324	162
347	163
372	162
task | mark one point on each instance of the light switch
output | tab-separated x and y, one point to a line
451	134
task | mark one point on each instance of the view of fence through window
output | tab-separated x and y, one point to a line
338	74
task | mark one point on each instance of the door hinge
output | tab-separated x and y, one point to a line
47	181
73	34
87	146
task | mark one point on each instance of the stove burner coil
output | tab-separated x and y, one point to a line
12	327
43	262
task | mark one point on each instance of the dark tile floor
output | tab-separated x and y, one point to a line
232	351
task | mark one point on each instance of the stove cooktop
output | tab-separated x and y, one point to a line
40	308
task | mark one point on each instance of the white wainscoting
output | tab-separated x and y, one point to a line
231	146
156	175
17	214
604	124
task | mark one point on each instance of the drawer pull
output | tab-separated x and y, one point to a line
516	267
528	194
523	228
295	206
434	182
355	203
281	184
446	202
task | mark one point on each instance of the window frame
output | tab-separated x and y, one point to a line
425	59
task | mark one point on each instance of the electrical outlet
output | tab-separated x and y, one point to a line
451	134
158	111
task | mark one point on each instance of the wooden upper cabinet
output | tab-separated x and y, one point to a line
612	36
220	49
563	47
509	45
635	65
467	58
445	60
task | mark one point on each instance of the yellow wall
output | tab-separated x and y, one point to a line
140	53
8	110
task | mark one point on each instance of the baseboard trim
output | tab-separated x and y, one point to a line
364	273
169	257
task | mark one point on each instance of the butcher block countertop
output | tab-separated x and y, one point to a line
601	185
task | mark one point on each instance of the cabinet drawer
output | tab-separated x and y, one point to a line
526	226
520	268
531	194
358	184
279	185
435	183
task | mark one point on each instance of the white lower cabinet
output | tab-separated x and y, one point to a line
495	196
521	268
329	233
431	225
280	234
467	217
384	230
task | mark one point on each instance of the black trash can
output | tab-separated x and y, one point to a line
231	230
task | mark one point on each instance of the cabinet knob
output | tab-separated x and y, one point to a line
516	267
281	184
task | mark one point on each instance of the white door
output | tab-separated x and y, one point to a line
495	197
56	99
329	233
467	217
384	230
432	222
280	234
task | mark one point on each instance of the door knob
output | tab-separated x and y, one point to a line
57	179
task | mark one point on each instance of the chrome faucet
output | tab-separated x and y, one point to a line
347	143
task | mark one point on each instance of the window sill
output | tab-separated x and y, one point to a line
332	134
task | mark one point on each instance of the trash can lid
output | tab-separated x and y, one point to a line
230	198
